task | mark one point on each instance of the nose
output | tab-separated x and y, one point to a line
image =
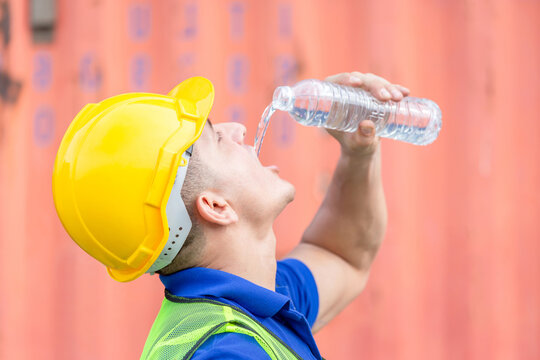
236	131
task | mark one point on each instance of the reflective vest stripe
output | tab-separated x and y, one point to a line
184	324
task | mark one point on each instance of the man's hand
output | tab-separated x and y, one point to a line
341	242
364	142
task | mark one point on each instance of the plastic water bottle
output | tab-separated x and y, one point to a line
325	104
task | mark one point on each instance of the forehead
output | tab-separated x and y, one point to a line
206	139
208	131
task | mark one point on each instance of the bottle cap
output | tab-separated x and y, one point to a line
283	98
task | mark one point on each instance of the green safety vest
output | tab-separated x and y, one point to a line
184	324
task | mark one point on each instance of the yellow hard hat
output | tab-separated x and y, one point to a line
114	172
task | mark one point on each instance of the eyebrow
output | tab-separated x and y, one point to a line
211	127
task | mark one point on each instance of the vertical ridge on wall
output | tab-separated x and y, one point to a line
458	273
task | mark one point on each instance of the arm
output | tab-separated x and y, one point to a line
342	240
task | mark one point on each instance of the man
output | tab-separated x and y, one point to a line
142	185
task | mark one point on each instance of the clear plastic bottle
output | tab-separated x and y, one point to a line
325	104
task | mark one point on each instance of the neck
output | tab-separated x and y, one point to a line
238	250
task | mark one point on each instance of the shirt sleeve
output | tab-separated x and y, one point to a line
294	279
230	346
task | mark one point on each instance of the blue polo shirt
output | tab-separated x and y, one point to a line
289	312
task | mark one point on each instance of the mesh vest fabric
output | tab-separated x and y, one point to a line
184	324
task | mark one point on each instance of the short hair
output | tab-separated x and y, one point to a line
194	183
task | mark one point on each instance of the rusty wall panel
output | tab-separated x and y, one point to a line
458	275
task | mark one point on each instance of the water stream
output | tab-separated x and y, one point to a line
261	129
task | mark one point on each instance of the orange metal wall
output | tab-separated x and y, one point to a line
458	276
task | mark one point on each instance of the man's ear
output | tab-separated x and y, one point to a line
215	209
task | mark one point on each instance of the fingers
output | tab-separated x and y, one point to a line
382	89
386	91
379	87
405	91
362	142
348	79
358	78
342	78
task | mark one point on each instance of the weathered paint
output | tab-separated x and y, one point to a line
458	276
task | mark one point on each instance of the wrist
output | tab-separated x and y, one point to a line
358	167
359	156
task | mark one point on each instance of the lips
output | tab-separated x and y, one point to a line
251	149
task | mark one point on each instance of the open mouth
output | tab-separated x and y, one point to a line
251	150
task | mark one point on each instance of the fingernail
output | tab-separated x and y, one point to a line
384	93
366	130
356	79
397	94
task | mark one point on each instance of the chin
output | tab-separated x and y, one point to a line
288	193
292	193
282	195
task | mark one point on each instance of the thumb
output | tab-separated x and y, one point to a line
367	128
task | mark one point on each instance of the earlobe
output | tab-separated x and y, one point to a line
215	209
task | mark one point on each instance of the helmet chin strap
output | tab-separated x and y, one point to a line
177	217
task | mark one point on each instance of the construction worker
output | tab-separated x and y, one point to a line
144	186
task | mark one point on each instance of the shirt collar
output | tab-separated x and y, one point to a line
203	282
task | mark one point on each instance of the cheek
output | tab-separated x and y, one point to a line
251	182
242	172
234	174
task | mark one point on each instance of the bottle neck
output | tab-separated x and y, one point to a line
283	98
